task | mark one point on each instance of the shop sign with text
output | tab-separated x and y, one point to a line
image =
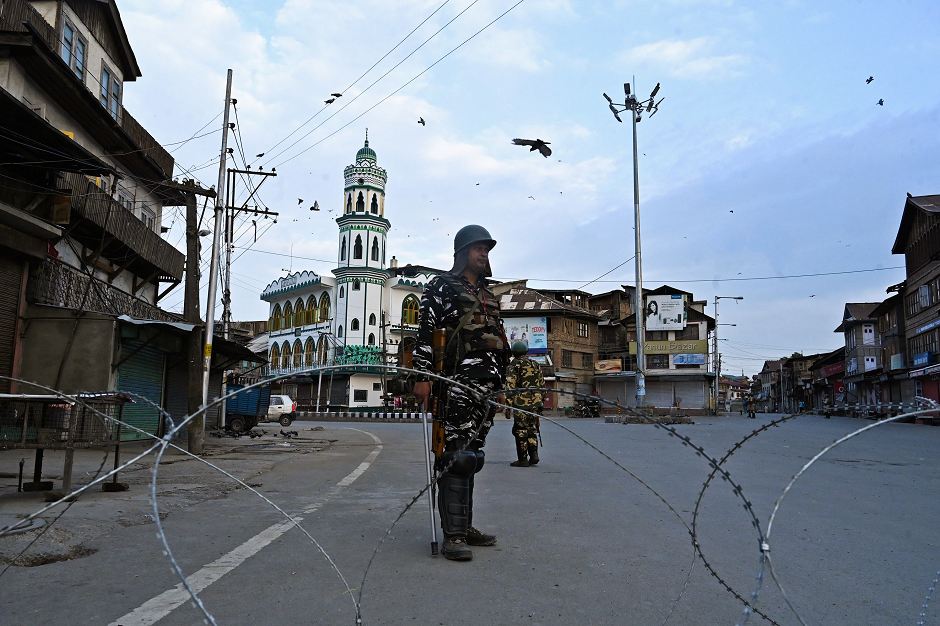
680	346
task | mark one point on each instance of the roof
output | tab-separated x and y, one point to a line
928	204
887	305
776	364
523	301
365	152
828	359
857	312
666	290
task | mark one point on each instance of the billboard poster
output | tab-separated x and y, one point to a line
688	359
665	312
608	366
532	331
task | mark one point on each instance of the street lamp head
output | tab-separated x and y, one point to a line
626	89
608	98
616	115
655	91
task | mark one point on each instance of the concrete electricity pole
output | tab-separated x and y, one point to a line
636	108
716	360
216	240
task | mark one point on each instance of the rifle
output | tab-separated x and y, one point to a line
439	344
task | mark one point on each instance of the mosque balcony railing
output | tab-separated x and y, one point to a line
296	331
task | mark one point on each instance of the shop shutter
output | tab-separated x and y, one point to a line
692	393
177	390
141	374
659	393
10	272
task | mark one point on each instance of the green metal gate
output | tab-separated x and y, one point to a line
142	374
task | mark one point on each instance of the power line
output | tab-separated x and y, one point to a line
400	88
605	274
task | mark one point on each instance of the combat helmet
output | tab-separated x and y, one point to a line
472	234
518	348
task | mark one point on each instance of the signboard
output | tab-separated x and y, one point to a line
829	370
680	346
922	359
688	359
532	331
608	366
927	327
665	312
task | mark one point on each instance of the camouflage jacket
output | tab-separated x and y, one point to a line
480	350
524	372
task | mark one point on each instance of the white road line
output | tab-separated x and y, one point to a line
159	607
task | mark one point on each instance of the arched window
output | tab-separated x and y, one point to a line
371	339
360	203
311	316
275	322
288	316
349	203
324	307
409	310
375	248
285	356
299	311
356	285
342	291
298	354
375	203
342	249
275	357
357	248
321	350
354	325
310	352
372	319
339	332
383	253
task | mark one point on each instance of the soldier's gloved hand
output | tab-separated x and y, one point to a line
501	399
508	414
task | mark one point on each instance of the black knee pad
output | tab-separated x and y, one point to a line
464	462
480	459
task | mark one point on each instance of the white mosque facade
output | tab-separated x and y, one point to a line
358	316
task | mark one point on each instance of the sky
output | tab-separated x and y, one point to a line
769	156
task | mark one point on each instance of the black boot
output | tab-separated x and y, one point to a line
522	458
453	499
477	537
533	454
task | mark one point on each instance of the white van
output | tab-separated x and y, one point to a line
282	409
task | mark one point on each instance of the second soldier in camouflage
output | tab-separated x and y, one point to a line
524	373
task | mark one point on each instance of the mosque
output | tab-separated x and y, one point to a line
360	315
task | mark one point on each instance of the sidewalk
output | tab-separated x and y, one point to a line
182	482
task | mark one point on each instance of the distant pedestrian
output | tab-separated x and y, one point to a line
524	373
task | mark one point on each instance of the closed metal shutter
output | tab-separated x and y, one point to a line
10	273
692	393
142	374
659	393
177	390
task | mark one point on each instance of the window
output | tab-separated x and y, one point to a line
299	313
285	356
375	203
274	323
312	314
657	335
371	339
587	360
912	303
321	350
868	334
342	251
360	395
870	363
689	332
74	49
275	356
356	285
360	204
298	354
325	307
348	205
125	198
409	310
582	329
357	248
110	91
288	316
657	361
375	248
372	319
354	325
566	358
342	291
924	295
148	218
310	349
339	331
376	386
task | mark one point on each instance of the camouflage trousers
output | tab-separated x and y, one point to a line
464	413
525	429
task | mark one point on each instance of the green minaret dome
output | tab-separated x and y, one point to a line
366	152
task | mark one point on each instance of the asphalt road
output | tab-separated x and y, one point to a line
581	541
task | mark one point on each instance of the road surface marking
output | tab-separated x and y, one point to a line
159	607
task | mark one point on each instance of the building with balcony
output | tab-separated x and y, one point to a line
361	316
862	354
83	264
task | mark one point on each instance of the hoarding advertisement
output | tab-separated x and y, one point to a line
666	312
680	346
532	331
608	366
688	359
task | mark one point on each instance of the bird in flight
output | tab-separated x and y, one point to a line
881	102
300	201
421	121
316	206
533	197
478	184
535	144
813	296
730	211
258	156
337	95
867	82
330	101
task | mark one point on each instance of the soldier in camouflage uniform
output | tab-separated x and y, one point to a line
524	373
476	356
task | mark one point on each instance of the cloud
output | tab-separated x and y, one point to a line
689	58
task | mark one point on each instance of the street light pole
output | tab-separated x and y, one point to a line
636	108
716	361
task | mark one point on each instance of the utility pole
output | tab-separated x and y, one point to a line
636	108
197	427
716	360
216	240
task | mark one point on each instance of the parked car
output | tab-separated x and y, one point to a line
282	409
